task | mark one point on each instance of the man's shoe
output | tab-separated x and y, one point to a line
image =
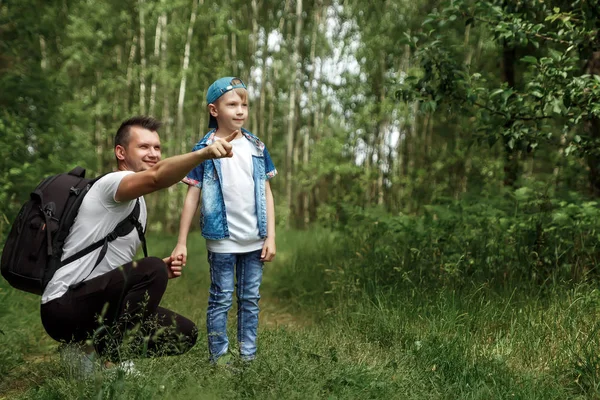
126	367
78	363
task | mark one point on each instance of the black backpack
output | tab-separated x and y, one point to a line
34	247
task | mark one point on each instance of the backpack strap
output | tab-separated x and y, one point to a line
122	229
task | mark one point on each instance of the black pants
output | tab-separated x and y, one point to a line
108	306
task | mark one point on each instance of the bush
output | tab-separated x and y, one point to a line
524	236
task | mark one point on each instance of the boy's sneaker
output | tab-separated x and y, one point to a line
77	362
225	360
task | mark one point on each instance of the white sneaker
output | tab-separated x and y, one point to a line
77	362
128	368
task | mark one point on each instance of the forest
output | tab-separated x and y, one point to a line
436	203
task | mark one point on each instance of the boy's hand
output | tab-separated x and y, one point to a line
268	250
174	266
221	148
180	250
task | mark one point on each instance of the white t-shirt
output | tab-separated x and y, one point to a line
98	215
240	203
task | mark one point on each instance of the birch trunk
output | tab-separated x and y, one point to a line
309	131
185	66
142	58
44	54
253	52
132	52
98	125
292	106
271	92
173	192
117	94
234	53
157	47
381	131
166	115
263	86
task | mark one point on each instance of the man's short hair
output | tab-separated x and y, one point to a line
143	121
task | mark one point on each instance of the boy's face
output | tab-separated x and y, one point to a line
230	110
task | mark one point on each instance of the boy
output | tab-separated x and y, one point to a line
237	218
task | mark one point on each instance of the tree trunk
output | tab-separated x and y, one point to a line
308	132
381	129
173	198
467	162
98	125
263	85
234	60
285	12
253	52
156	57
44	54
165	115
185	66
511	155
130	73
117	94
592	127
142	58
292	107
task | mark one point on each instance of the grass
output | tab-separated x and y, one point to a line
317	341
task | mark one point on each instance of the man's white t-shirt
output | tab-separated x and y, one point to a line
98	215
240	202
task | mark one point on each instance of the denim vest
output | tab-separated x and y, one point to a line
208	177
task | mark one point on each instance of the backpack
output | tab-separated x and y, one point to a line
33	249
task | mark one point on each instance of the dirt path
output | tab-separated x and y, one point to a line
273	314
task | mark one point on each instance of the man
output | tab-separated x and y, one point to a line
100	298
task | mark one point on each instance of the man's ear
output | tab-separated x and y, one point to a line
120	152
212	109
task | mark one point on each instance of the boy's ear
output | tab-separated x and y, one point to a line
212	109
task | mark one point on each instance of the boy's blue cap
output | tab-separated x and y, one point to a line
218	89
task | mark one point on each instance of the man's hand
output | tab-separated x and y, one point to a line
174	266
221	148
268	250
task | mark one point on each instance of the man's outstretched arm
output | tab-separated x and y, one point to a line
171	170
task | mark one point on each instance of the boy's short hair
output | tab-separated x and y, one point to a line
218	89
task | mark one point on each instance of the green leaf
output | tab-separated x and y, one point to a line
529	60
537	94
523	194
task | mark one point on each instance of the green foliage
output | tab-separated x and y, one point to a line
526	237
553	95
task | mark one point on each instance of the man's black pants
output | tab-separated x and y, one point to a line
107	306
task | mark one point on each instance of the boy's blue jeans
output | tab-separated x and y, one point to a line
248	274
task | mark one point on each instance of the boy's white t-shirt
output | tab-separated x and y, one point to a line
98	215
240	203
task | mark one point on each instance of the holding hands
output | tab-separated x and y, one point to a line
174	265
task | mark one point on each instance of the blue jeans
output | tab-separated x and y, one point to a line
248	274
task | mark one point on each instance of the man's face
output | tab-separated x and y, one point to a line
142	152
231	111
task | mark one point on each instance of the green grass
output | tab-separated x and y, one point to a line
317	341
